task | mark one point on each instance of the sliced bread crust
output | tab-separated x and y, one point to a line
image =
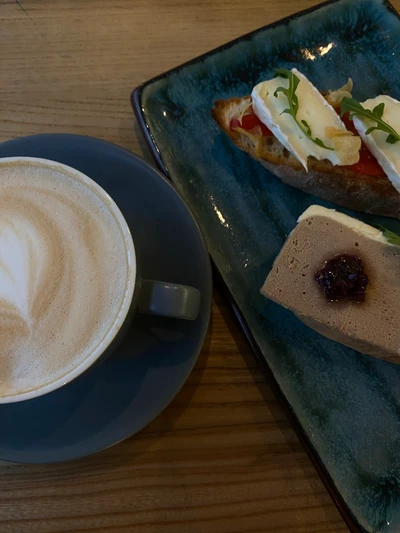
361	192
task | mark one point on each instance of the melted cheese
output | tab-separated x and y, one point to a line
387	155
313	108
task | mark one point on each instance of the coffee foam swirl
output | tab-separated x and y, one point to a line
63	274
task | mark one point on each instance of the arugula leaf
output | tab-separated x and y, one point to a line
378	110
391	139
293	101
356	109
390	236
307	126
320	143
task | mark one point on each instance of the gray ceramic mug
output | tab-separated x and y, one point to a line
140	295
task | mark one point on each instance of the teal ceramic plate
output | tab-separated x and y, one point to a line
346	405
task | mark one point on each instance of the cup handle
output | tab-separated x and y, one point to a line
168	299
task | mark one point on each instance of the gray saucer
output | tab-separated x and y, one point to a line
120	396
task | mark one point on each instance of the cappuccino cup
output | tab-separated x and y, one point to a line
69	282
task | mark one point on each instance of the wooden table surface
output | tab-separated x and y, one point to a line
222	457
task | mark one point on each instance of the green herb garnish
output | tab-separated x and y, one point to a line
356	109
391	237
293	108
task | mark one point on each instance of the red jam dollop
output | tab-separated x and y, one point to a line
343	278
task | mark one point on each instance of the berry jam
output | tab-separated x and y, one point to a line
343	278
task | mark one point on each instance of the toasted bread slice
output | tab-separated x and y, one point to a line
369	194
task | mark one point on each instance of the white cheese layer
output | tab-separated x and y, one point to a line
354	224
313	108
387	155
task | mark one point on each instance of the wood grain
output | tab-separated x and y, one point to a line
222	457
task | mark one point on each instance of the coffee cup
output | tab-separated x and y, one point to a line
69	278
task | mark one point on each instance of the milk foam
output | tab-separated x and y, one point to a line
63	274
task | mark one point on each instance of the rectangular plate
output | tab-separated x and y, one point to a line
346	406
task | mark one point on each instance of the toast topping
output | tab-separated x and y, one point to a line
384	147
367	164
244	110
343	278
313	112
248	121
335	97
346	144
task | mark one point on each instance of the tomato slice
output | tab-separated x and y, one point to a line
367	164
249	122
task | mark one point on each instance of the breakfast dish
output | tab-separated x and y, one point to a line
344	404
312	141
340	276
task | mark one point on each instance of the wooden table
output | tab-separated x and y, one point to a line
222	457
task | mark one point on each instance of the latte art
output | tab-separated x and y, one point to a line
63	274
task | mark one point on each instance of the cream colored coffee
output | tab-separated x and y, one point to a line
63	274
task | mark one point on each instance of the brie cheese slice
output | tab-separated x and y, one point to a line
314	109
387	155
